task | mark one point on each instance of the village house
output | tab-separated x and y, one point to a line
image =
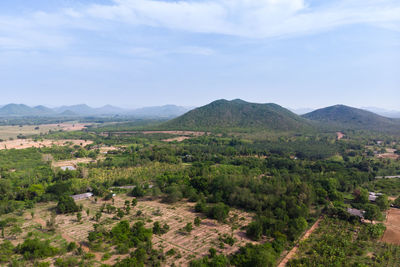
82	196
356	212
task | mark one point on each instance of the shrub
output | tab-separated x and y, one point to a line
66	204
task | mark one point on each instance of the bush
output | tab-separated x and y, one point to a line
66	204
220	212
36	249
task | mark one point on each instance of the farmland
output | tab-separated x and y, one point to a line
190	198
7	132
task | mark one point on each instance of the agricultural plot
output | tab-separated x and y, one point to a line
185	246
392	223
28	143
7	132
340	243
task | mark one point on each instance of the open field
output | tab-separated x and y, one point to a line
27	143
178	139
388	156
72	162
392	223
7	132
187	246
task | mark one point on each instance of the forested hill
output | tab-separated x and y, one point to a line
239	115
344	117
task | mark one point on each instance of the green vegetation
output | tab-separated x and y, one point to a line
285	182
238	115
340	243
344	118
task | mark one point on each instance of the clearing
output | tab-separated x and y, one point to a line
187	246
7	132
392	223
27	143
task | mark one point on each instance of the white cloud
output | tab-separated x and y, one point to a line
242	18
248	18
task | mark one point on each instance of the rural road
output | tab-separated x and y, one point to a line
292	252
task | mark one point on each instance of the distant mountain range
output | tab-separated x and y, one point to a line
21	110
384	112
234	115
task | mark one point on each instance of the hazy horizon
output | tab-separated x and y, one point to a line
298	110
138	53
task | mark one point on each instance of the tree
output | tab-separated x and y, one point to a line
79	216
98	216
134	202
66	204
396	202
255	230
360	195
120	213
383	202
156	228
188	227
372	212
174	194
197	221
138	191
220	212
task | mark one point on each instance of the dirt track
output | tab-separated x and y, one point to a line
292	252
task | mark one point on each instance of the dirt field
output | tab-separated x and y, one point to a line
192	133
7	132
178	139
392	223
187	246
388	156
339	135
27	143
72	162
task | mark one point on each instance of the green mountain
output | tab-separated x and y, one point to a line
16	110
239	115
343	117
24	110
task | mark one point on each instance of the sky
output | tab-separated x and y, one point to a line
134	53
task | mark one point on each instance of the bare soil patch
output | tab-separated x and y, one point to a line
28	143
192	133
10	131
392	223
339	135
72	162
178	139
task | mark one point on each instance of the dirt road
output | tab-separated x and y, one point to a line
292	252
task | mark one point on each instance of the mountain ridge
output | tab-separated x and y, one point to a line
239	114
345	117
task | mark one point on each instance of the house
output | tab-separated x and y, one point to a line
356	212
373	196
82	196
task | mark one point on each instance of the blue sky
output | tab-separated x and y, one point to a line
133	53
